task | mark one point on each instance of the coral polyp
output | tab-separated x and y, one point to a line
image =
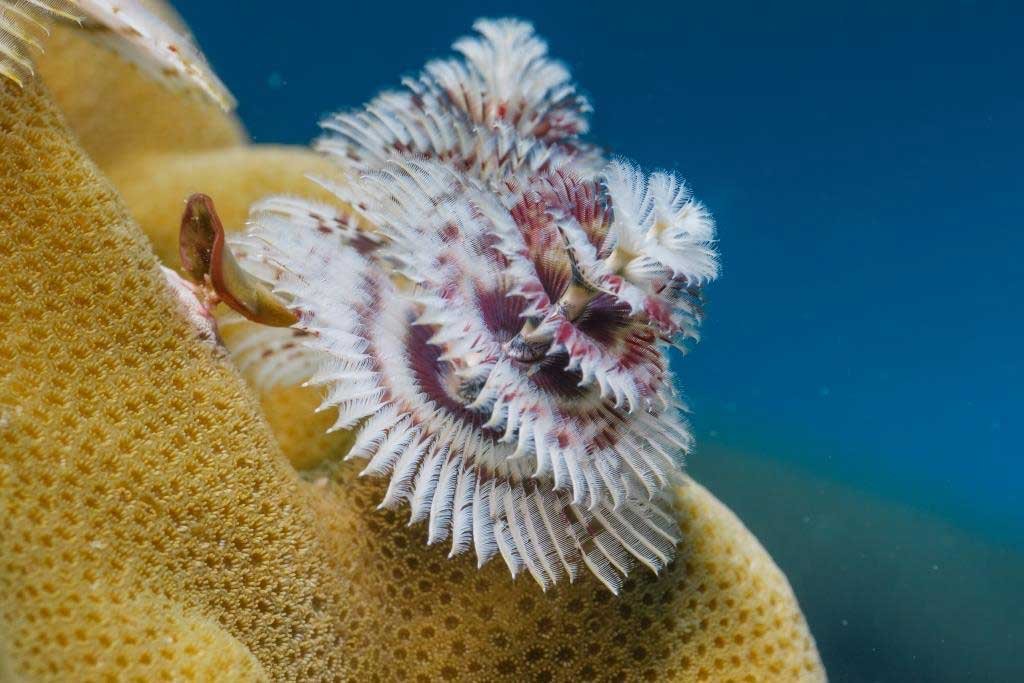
497	340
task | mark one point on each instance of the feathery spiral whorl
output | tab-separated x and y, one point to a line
498	340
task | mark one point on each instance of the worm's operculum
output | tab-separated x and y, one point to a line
207	259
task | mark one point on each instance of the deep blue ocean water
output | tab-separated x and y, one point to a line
857	394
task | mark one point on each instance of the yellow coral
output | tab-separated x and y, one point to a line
118	112
146	640
722	612
149	524
134	462
158	147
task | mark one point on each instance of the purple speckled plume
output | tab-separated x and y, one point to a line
498	339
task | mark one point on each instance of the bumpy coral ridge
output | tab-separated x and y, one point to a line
137	475
721	612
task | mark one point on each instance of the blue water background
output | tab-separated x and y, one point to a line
865	164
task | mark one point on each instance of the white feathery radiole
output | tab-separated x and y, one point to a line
497	337
128	26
